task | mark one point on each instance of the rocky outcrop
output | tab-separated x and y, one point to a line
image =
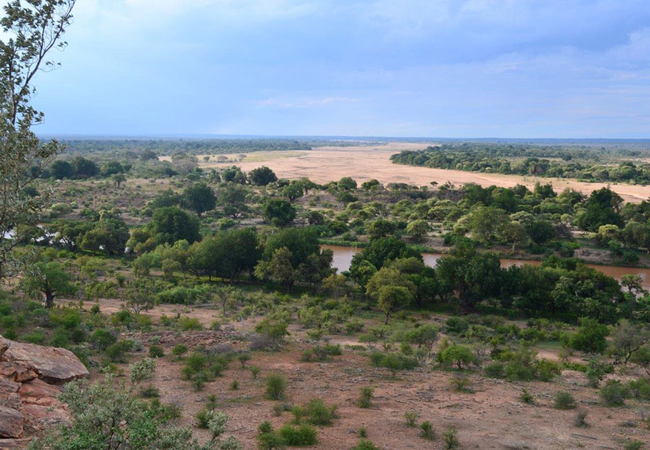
24	362
30	382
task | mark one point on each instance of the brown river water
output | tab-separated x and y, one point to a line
343	259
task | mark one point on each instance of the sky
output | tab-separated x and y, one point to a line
403	68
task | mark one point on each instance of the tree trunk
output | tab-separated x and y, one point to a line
49	300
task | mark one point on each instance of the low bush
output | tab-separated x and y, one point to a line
276	386
427	431
450	438
156	351
614	393
298	436
411	418
365	397
564	400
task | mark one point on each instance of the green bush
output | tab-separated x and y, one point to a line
179	350
156	351
639	389
564	400
365	444
411	418
427	431
319	413
393	361
365	397
614	393
495	370
459	355
149	391
450	438
276	386
189	324
298	436
591	337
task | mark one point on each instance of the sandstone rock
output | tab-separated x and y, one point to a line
37	389
11	423
53	365
8	386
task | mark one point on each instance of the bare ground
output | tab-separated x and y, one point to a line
492	417
326	164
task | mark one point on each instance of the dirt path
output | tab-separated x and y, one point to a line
366	162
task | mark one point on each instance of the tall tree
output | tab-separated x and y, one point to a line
32	29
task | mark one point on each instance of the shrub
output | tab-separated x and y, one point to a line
319	413
149	392
365	444
234	385
457	354
456	325
591	337
179	350
156	351
393	361
117	352
494	370
276	386
633	445
411	418
581	420
255	371
365	397
639	388
243	358
268	439
462	384
301	436
189	324
564	400
103	339
450	438
427	431
527	397
203	418
614	393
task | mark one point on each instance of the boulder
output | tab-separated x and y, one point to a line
53	365
11	423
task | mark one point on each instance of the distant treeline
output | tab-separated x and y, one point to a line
195	146
583	163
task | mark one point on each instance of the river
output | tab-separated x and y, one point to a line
343	259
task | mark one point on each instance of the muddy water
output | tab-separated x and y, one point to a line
343	259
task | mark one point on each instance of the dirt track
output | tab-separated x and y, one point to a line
366	162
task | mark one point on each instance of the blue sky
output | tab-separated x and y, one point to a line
444	68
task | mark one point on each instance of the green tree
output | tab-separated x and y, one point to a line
199	198
278	212
118	179
381	228
486	223
171	224
62	169
591	336
31	33
262	176
347	184
418	229
110	235
48	279
393	298
457	354
601	208
279	269
627	338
